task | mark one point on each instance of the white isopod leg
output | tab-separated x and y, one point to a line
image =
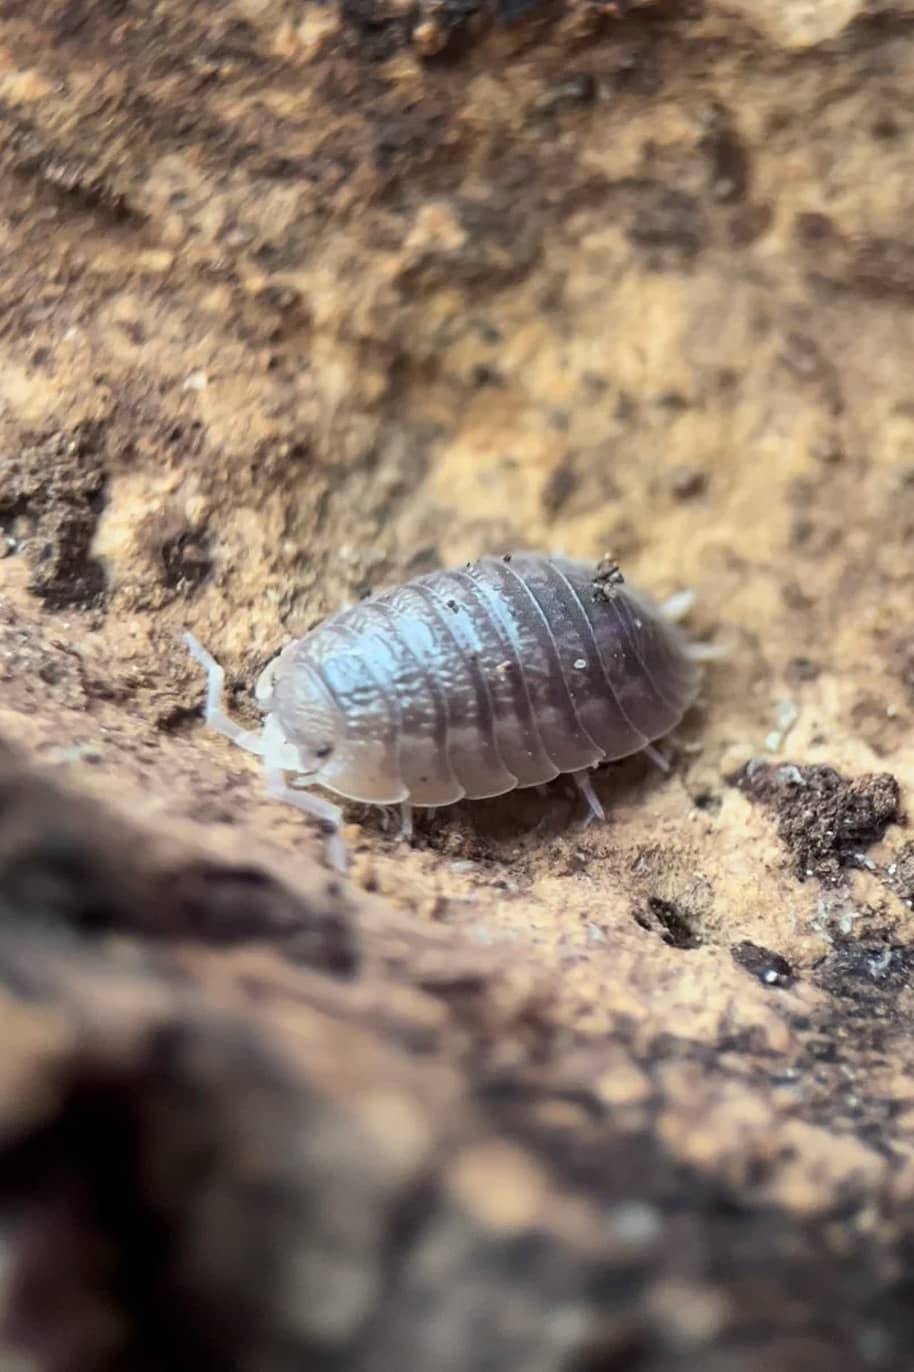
216	718
707	652
678	605
318	808
585	786
406	821
660	762
386	814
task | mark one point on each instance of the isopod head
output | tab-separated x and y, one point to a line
303	723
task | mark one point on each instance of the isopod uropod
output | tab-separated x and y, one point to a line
467	683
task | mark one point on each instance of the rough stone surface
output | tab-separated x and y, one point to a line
297	301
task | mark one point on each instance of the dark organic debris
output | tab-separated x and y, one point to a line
869	970
607	578
770	968
825	820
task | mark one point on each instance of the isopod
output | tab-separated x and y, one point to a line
498	675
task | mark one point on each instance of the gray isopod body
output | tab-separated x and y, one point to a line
467	683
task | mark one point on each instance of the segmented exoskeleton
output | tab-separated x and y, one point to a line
504	673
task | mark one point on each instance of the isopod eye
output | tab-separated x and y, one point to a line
323	751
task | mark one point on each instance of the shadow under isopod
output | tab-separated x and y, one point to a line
494	829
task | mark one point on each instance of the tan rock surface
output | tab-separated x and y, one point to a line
299	300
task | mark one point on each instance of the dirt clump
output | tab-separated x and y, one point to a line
825	820
51	494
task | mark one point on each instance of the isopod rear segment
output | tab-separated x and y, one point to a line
499	675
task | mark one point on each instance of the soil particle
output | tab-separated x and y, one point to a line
825	820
